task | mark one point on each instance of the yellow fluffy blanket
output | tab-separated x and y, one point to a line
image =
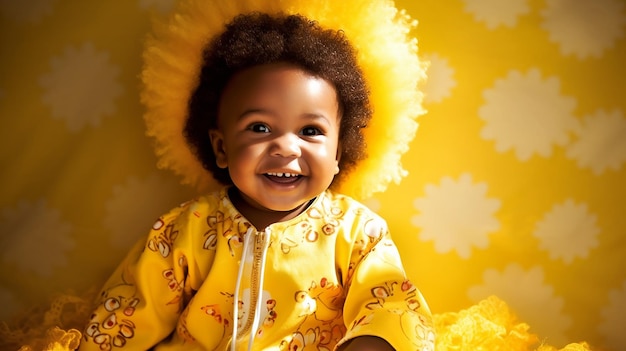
488	325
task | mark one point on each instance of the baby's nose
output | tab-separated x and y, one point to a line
286	145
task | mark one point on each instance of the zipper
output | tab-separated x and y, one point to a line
256	285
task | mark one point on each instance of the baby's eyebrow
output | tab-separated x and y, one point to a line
254	111
317	117
311	116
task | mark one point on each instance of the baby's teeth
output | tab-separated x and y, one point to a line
287	175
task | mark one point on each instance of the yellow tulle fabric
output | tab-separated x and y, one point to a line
52	328
387	54
487	326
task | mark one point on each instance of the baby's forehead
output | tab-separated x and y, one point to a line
270	75
275	89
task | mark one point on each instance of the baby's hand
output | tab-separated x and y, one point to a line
366	343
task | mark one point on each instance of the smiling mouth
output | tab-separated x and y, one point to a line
283	177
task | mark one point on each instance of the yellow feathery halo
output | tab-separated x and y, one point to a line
386	53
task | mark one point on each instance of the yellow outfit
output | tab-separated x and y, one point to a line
315	281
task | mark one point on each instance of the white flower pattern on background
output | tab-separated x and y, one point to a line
31	11
456	215
35	230
584	28
440	80
81	86
600	143
613	318
495	13
567	231
135	204
527	114
524	291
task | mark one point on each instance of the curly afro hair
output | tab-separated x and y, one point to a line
256	39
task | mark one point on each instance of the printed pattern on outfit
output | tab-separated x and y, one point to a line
310	283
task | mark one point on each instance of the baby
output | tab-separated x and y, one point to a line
275	259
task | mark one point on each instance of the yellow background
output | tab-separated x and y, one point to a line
516	180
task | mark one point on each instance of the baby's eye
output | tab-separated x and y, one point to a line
259	128
311	131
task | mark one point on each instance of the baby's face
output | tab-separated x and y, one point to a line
278	135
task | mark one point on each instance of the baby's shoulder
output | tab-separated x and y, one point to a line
199	207
351	208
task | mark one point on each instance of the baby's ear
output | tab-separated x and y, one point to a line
217	143
338	156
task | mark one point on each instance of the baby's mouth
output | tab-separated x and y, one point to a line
283	177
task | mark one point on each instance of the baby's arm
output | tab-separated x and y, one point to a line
139	305
383	310
366	343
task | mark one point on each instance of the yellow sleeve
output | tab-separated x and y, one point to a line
380	300
141	302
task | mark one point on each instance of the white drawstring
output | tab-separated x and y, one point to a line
242	262
247	242
259	302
